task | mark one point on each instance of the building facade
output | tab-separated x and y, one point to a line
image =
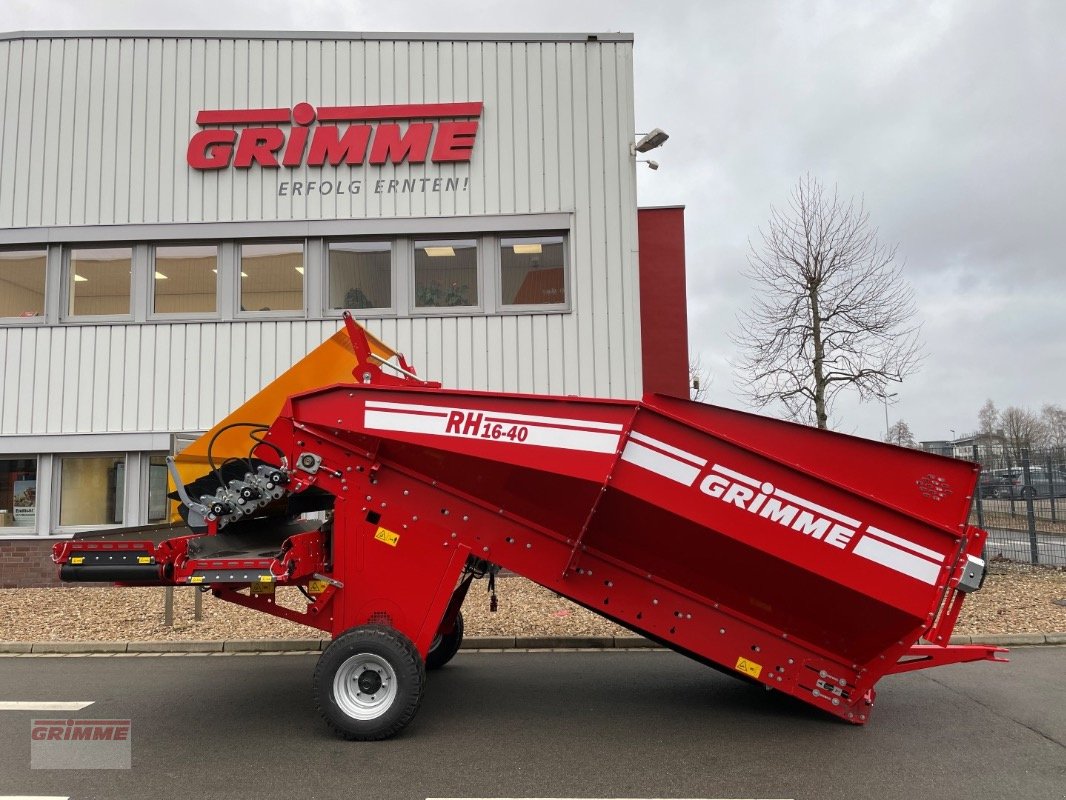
183	216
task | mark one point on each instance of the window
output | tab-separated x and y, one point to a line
22	282
446	273
185	279
532	271
99	281
360	275
18	493
92	490
157	503
272	277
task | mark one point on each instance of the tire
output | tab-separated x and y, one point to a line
369	682
445	646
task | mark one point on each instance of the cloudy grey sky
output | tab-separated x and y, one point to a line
949	118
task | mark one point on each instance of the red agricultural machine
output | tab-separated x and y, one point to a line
810	562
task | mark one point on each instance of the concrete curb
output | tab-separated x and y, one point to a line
174	647
270	645
470	643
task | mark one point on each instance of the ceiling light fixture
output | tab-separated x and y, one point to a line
439	252
159	276
244	274
79	279
528	249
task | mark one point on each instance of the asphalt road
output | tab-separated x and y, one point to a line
622	724
1015	545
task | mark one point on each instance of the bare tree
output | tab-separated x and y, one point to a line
1022	429
699	379
988	418
900	434
1053	419
832	310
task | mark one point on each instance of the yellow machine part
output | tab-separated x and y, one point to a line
331	362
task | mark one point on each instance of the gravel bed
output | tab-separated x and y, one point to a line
1016	598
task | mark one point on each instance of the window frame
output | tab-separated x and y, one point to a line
315	244
19	531
56	504
187	316
235	279
39	319
395	282
411	248
532	308
66	313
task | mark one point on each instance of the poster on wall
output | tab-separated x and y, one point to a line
25	503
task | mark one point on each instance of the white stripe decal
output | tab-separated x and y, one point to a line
407	407
408	423
44	705
828	512
539	435
907	543
899	560
737	476
660	464
669	448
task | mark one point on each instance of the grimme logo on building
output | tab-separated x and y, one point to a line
305	136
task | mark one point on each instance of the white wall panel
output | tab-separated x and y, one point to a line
93	132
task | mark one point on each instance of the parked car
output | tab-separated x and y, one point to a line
992	485
1042	483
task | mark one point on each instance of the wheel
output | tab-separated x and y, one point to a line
369	682
445	646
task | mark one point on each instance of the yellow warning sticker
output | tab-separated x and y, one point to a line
266	578
262	587
315	586
77	559
388	537
748	667
144	559
196	579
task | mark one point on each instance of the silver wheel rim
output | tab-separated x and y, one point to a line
365	686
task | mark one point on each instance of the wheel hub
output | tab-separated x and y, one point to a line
369	681
364	686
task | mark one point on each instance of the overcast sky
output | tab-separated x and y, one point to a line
949	118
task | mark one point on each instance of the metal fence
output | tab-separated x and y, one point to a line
1021	502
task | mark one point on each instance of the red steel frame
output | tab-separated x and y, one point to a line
645	512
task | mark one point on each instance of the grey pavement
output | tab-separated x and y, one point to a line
550	724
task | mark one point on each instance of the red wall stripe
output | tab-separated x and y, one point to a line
663	309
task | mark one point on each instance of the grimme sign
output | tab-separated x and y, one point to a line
305	136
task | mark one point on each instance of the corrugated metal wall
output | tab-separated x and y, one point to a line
94	132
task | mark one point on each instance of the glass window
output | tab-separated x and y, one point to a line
360	275
22	282
532	271
92	490
272	277
446	273
158	504
185	279
18	493
100	281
